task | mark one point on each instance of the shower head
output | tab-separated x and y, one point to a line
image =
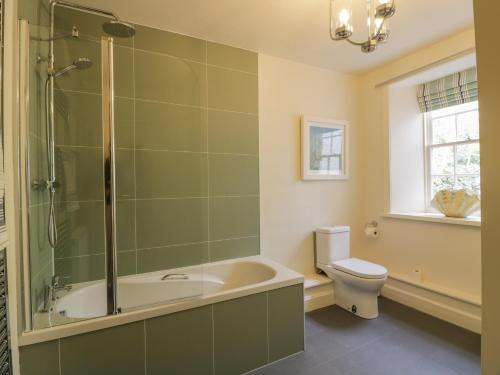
79	64
118	28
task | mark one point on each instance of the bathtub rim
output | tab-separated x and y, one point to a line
284	277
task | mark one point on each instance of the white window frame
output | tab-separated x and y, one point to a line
428	146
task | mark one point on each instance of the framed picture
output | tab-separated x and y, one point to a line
324	149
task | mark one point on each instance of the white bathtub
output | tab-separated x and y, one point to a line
146	296
88	300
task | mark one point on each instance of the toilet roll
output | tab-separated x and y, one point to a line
371	231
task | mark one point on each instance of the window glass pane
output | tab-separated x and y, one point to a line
467	159
456	166
440	183
467	106
442	160
443	130
468	126
443	112
471	183
454	109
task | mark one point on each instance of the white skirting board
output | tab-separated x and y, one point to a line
461	313
318	293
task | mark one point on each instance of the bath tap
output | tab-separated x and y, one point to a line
50	292
175	276
55	287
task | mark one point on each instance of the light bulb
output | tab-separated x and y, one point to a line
381	31
344	17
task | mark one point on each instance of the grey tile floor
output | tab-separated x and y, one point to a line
402	341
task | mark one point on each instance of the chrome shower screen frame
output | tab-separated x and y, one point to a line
108	129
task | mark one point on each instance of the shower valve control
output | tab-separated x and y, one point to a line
41	185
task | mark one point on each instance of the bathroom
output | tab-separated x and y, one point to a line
165	209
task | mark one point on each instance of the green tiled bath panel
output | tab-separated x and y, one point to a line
226	338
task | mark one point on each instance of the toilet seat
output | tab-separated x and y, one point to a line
360	268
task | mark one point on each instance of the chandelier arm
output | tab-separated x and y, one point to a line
356	43
374	37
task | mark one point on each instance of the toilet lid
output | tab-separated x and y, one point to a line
360	268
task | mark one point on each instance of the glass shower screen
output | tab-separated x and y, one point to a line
115	205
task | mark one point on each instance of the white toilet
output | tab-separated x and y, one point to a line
357	283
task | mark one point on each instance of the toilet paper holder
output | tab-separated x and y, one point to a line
371	229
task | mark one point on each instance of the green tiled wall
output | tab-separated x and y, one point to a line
227	338
195	153
186	124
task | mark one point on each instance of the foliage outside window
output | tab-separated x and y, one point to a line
452	149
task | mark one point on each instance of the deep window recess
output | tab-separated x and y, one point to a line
452	149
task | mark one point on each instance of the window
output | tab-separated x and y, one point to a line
452	149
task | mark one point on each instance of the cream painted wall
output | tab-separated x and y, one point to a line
407	154
291	208
486	13
448	255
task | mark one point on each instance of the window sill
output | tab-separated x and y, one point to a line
434	218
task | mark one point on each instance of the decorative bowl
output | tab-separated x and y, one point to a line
455	203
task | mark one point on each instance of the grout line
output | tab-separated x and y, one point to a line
166	198
166	102
145	349
191	152
235	196
186	198
181	198
136	250
84	201
135	154
185	59
79	256
234	238
77	92
194	243
174	245
213	340
125	251
233	69
207	148
39	205
77	146
267	327
193	106
59	354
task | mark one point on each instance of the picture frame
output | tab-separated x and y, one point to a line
325	153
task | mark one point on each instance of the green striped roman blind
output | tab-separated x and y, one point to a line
451	90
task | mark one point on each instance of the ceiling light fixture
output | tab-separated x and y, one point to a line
378	13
